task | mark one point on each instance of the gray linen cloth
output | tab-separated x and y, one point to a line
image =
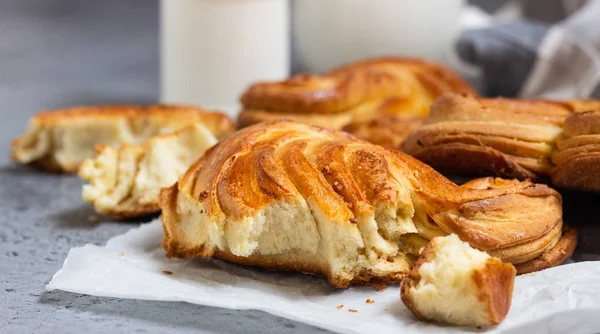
529	57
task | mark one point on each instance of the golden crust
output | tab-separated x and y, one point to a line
577	157
493	283
355	92
59	140
501	137
343	181
218	123
388	132
554	256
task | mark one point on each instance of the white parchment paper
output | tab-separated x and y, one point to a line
565	299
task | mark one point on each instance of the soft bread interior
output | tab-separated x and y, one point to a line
294	236
60	140
457	284
127	182
70	141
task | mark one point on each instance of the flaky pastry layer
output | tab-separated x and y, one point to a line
502	137
577	157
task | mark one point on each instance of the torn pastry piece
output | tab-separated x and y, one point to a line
456	284
59	140
501	137
361	91
577	157
126	182
285	195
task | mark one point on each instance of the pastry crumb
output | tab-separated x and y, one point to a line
352	310
166	272
387	309
121	254
93	219
339	307
369	301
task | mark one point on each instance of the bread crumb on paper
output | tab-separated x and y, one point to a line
121	254
352	310
339	307
369	301
93	219
166	272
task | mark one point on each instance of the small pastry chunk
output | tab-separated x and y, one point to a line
126	182
358	92
60	140
456	284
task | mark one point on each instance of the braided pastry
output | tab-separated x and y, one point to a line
357	92
285	195
60	140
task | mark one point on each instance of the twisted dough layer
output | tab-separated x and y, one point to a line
577	157
503	137
357	92
60	140
285	195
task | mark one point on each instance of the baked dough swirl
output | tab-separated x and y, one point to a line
285	195
355	93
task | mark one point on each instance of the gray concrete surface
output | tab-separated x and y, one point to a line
56	53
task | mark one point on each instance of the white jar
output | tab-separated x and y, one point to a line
329	33
211	50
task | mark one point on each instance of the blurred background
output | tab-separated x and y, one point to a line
57	53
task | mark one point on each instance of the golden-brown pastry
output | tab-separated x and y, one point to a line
59	140
285	195
577	157
503	137
361	91
126	182
388	132
457	284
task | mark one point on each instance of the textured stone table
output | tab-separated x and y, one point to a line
55	53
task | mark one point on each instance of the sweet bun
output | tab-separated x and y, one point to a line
500	137
371	89
60	140
286	195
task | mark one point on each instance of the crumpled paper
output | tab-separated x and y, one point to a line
133	265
